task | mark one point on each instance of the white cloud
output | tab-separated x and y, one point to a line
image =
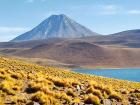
117	9
134	12
110	9
8	33
12	29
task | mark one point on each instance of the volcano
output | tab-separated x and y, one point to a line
56	26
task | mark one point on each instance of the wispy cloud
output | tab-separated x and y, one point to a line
11	29
32	1
117	9
8	33
106	9
134	12
110	9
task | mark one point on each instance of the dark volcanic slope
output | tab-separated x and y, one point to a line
130	38
28	44
84	53
56	26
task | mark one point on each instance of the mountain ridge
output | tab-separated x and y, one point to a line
56	26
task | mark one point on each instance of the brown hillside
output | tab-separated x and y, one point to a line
85	54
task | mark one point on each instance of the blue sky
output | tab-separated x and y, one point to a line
101	16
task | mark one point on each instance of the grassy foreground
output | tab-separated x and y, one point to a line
22	83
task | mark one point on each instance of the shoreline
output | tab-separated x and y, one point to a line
111	73
83	68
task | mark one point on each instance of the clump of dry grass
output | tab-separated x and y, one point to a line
97	93
1	101
92	99
38	85
18	100
136	95
115	96
92	83
90	89
44	99
61	82
76	101
63	96
71	93
99	90
5	86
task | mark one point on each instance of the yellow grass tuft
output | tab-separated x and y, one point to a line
44	99
92	99
22	83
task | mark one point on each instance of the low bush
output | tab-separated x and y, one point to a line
44	99
108	90
97	93
92	99
1	101
136	95
18	100
76	100
7	88
71	93
115	96
64	96
60	83
90	89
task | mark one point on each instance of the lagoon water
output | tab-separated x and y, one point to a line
131	74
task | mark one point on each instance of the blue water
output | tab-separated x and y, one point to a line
130	74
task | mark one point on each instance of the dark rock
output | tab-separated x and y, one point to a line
136	91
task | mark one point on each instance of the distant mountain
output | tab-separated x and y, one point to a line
129	38
56	26
82	53
129	32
